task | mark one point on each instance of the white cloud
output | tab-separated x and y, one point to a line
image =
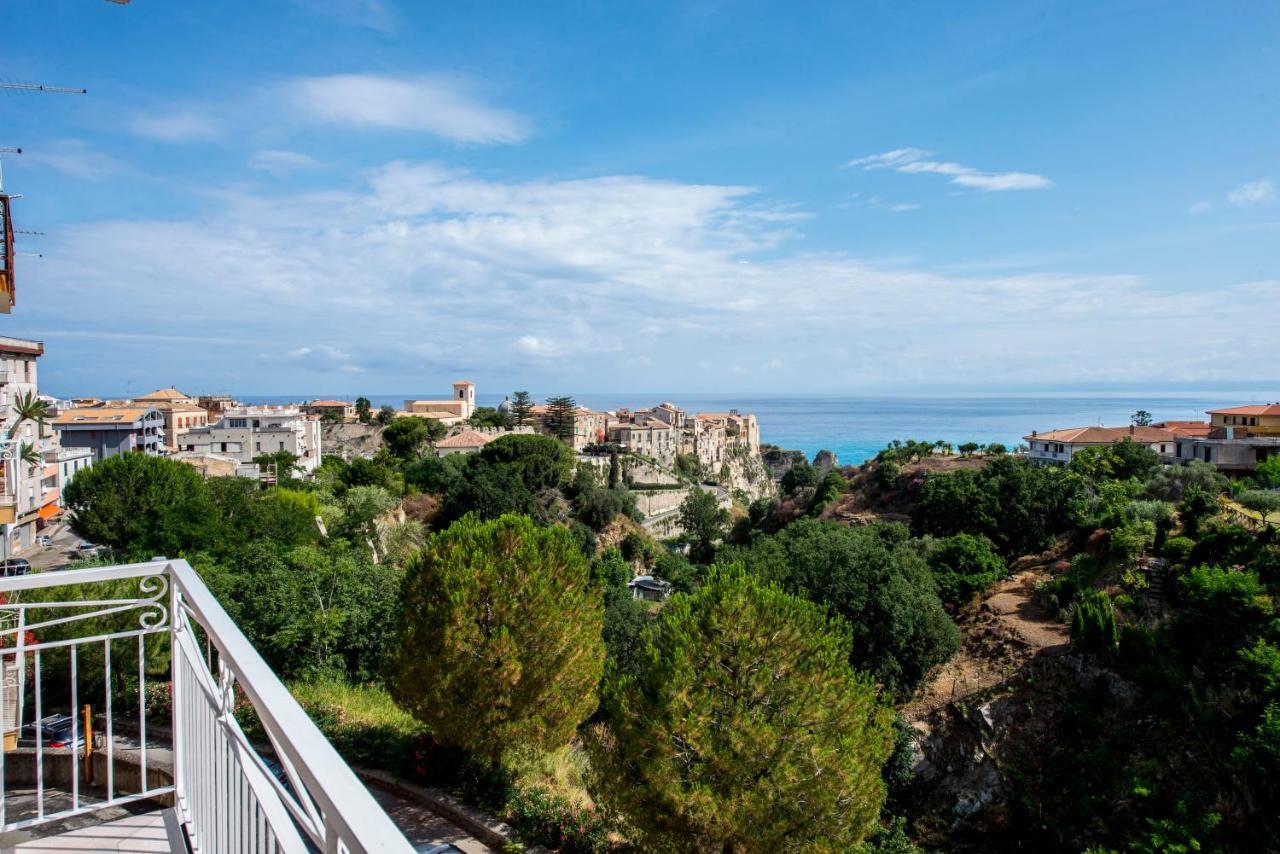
624	280
1201	207
281	163
74	157
178	125
444	105
913	161
1253	193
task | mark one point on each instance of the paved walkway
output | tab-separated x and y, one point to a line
421	826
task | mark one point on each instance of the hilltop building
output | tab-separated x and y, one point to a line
666	430
453	411
1057	447
1235	440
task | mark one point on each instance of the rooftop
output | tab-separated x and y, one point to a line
102	415
169	393
1256	409
465	439
1104	435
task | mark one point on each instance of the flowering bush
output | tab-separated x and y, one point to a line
553	821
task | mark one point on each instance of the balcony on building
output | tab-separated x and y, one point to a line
136	716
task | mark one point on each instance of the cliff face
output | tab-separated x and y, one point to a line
747	471
349	441
778	461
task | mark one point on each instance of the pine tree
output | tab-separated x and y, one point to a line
521	406
615	470
500	637
744	728
562	412
1093	624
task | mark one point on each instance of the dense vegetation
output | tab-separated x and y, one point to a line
459	620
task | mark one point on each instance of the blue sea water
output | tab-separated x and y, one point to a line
856	427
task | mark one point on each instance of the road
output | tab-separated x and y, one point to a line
45	558
658	522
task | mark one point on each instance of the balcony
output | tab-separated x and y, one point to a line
122	694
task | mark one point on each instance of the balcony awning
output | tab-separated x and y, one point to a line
49	511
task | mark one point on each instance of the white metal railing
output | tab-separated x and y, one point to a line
225	795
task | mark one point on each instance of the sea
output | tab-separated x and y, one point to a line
855	428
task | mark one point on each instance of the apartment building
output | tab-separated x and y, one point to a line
111	430
246	432
23	476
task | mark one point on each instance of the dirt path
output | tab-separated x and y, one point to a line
1001	634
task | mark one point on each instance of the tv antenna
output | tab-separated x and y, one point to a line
41	87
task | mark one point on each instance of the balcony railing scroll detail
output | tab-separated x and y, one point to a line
132	620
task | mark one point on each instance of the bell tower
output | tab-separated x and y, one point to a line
465	391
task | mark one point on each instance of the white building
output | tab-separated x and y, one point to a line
1058	446
26	488
246	432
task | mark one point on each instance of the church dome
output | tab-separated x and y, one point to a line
505	406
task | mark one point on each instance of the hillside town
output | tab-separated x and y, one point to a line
220	436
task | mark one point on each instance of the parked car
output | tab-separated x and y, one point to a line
55	731
84	550
44	540
15	566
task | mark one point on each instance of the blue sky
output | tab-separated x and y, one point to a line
335	196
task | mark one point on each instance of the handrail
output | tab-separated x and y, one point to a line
352	819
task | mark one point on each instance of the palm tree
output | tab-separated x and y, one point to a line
27	407
29	455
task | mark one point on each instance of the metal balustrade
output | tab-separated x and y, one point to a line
225	795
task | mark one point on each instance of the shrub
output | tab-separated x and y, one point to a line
1093	624
1178	549
964	566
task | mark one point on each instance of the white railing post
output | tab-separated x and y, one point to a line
177	621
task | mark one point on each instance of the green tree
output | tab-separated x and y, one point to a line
487	416
1168	483
615	470
997	449
1263	501
624	616
703	521
1141	418
141	505
385	416
406	437
539	462
797	477
744	727
1267	474
562	414
964	566
875	578
500	637
283	464
521	407
968	449
364	410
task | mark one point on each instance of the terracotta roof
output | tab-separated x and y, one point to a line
1186	429
1103	435
465	439
327	403
172	406
169	393
1259	409
102	415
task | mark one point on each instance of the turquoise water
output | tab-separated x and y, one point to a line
856	427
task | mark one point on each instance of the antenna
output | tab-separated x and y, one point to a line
40	87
